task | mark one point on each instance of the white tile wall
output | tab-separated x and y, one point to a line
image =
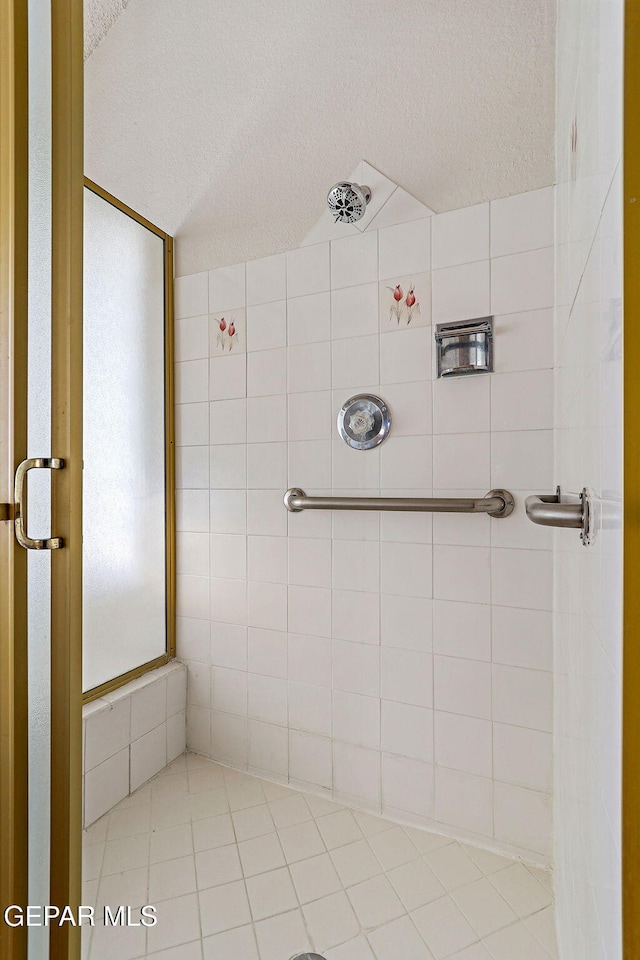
588	419
382	650
133	733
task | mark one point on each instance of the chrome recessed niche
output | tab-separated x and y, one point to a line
464	347
364	421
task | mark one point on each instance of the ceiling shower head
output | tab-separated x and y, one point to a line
347	202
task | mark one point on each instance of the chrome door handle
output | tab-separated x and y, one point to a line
35	463
550	511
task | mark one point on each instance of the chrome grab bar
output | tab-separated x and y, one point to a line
497	503
20	497
549	511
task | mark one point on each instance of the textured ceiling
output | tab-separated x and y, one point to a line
226	121
99	17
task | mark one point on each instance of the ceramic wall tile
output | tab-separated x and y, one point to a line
522	222
191	295
461	236
308	270
405	248
267	326
227	288
266	279
354	260
333	638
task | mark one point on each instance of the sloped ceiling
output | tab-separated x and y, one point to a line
99	17
226	121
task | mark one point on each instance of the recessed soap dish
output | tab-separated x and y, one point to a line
464	347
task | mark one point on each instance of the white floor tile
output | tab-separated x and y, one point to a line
452	866
238	944
444	928
170	843
371	825
416	884
483	907
245	793
223	908
321	806
542	926
399	939
92	857
355	862
126	854
208	803
126	943
203	779
282	936
486	861
130	822
228	862
252	822
357	949
339	828
220	865
331	921
261	854
186	951
315	878
172	878
521	890
178	922
271	893
424	841
130	887
301	841
288	811
393	848
477	951
515	941
165	812
375	902
213	832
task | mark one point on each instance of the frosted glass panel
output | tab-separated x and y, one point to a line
39	445
124	592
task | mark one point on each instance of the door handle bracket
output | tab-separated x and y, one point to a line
20	495
551	511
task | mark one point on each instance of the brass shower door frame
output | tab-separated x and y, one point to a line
66	487
67	222
14	135
169	458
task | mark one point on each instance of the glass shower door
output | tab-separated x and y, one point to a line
40	472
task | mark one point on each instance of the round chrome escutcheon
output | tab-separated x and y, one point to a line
364	421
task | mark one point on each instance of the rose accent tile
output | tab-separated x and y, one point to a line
227	333
405	302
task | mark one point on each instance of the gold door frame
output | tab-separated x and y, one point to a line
67	162
631	530
170	483
14	134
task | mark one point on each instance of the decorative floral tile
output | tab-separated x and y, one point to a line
405	302
227	333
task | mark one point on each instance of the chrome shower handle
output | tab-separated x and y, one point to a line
549	511
20	497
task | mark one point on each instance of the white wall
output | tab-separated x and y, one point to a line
400	662
588	644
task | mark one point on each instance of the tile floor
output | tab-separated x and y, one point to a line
243	869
